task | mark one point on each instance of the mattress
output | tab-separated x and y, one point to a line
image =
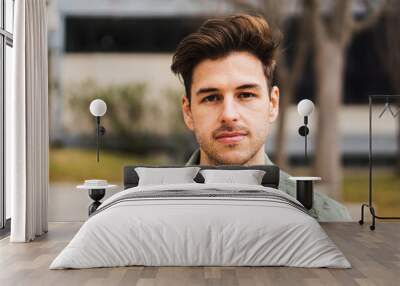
201	225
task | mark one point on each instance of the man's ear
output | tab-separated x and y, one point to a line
273	104
187	113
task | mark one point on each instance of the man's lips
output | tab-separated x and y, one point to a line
230	137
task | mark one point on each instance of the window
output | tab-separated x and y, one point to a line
123	34
6	43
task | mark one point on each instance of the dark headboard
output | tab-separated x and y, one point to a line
270	179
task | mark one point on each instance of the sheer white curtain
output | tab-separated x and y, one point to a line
27	144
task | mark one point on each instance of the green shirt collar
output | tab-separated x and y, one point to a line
195	159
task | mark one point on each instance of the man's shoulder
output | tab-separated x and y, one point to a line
285	176
285	184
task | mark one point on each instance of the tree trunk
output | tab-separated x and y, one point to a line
398	143
329	61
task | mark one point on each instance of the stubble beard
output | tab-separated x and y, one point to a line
216	158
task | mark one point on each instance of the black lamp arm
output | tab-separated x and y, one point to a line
100	131
303	131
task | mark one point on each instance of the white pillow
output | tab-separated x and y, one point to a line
162	176
249	177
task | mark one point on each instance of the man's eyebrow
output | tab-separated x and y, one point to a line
214	89
248	86
206	90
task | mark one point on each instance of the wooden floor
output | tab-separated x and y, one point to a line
374	255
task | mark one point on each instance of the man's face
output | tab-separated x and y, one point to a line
230	110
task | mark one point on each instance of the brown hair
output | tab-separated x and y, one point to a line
216	38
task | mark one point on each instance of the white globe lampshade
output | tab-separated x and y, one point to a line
305	107
98	107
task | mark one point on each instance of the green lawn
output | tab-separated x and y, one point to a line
386	190
76	165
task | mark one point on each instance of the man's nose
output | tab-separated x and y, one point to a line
229	110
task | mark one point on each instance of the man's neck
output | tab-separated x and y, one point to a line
257	159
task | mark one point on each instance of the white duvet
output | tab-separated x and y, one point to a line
207	230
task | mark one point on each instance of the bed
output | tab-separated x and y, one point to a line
201	223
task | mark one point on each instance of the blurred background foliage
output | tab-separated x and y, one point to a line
124	105
124	121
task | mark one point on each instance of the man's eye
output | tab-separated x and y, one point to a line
246	95
210	98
